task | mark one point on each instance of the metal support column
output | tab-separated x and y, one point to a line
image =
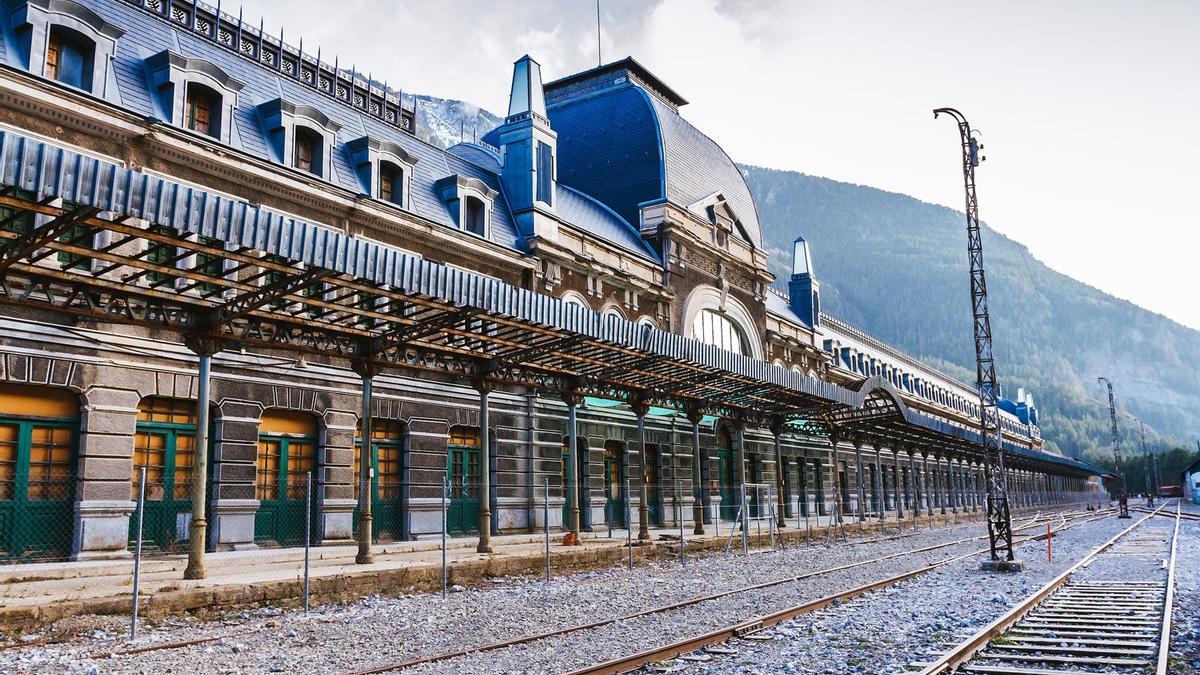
695	415
881	498
485	480
780	468
858	479
204	347
898	479
640	408
572	399
365	370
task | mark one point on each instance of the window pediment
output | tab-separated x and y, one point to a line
384	169
469	201
300	135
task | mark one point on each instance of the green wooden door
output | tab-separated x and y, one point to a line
614	485
729	505
653	486
283	462
36	464
164	444
387	480
463	474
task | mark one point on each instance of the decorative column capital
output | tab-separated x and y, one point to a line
640	404
482	384
364	367
776	425
203	344
694	412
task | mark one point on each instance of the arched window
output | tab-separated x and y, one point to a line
391	183
69	57
715	328
473	220
573	298
306	155
202	110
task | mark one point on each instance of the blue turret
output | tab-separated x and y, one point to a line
804	292
528	150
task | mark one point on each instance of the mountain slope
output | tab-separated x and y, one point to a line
897	267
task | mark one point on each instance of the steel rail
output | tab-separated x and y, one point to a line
1164	638
629	663
418	660
966	650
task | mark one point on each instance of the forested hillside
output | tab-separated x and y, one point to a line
897	267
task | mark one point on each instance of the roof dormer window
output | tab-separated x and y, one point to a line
66	42
469	201
193	94
300	136
384	169
70	57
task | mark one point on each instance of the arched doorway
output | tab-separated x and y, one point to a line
287	443
387	481
463	467
614	483
38	440
164	443
729	506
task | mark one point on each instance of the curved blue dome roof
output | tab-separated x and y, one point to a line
626	147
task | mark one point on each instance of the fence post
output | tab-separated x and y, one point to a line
445	529
679	515
137	552
546	523
307	530
771	513
745	523
628	526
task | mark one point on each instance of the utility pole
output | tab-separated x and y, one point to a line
1149	463
998	515
1122	495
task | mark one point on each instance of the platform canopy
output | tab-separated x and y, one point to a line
110	244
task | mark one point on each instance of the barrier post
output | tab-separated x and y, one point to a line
307	530
1049	546
679	516
137	552
445	529
745	524
546	522
628	526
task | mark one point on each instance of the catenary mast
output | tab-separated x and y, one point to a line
998	516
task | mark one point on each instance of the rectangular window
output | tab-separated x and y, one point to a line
54	55
79	235
162	254
199	111
387	188
210	265
16	220
545	172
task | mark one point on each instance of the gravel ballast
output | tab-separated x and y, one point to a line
343	638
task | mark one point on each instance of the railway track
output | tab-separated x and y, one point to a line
1090	618
1038	521
1067	520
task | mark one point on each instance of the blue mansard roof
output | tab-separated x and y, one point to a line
147	34
622	140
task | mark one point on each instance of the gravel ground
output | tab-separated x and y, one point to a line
909	622
374	630
1185	618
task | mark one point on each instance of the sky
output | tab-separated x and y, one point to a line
1087	109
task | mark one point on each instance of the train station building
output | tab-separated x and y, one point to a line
228	260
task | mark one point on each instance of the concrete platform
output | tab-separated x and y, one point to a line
38	593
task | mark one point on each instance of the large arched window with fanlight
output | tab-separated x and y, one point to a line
716	328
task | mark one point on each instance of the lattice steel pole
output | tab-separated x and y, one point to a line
1122	494
999	518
